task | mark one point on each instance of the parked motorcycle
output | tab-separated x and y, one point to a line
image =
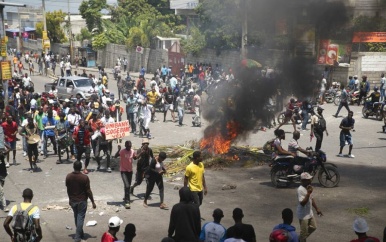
284	172
330	95
373	109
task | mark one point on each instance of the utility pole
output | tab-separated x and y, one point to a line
44	25
20	39
70	34
244	29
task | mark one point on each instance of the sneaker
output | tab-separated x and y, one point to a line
24	154
58	162
7	164
14	162
6	209
127	205
41	153
108	169
45	157
351	156
335	116
340	155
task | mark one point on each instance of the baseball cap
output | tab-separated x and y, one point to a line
107	91
356	76
135	88
305	176
115	222
360	225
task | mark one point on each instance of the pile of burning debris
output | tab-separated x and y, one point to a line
216	157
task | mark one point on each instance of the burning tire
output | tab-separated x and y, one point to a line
276	175
329	176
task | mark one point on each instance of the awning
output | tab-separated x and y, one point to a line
26	29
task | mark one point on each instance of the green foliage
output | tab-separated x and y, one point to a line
91	12
39	26
84	34
55	31
100	41
221	27
195	43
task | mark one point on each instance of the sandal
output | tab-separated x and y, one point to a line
163	206
145	205
85	171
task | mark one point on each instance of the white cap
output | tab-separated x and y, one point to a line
305	176
360	225
107	91
115	222
66	100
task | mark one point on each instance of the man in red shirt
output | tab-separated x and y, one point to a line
10	131
360	228
126	167
114	225
95	124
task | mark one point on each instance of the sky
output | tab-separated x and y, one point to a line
51	5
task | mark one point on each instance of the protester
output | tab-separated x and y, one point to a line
304	209
144	155
214	231
82	137
287	216
129	233
114	226
185	218
361	228
318	127
345	137
33	232
195	179
30	132
154	176
343	101
247	230
79	191
10	130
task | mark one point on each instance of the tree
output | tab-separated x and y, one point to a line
84	34
195	42
91	12
100	41
54	30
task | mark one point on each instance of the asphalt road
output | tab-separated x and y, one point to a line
362	186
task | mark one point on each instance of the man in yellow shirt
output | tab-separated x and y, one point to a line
152	98
14	62
35	233
194	177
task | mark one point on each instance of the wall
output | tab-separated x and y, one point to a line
371	64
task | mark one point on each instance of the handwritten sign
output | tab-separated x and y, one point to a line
117	130
6	71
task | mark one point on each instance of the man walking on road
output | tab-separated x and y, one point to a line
345	137
343	101
318	126
34	229
194	177
79	190
304	210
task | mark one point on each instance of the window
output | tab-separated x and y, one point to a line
69	83
61	82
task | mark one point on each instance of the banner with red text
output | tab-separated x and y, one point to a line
117	130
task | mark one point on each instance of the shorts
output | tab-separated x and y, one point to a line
321	93
12	144
168	107
345	138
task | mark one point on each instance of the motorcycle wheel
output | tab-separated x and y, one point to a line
379	115
329	98
277	173
337	100
329	177
365	115
280	118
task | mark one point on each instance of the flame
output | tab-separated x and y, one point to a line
219	143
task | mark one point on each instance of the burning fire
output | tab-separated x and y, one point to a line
219	143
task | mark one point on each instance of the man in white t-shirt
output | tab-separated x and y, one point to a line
304	210
323	84
67	66
26	80
356	81
197	109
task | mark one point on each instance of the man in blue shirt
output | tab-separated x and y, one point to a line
49	123
287	216
214	231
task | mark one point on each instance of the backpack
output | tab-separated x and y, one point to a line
22	224
321	125
268	147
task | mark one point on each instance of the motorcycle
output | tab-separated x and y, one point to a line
297	114
352	98
284	172
330	95
384	117
373	109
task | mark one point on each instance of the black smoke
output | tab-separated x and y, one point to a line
244	101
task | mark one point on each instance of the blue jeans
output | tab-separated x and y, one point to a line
80	209
382	94
180	115
305	119
342	104
131	117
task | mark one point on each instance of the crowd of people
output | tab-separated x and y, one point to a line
76	128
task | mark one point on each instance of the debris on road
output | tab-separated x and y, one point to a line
228	187
91	223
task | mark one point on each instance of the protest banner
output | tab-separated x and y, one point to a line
117	130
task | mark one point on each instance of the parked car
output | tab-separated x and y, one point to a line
70	86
